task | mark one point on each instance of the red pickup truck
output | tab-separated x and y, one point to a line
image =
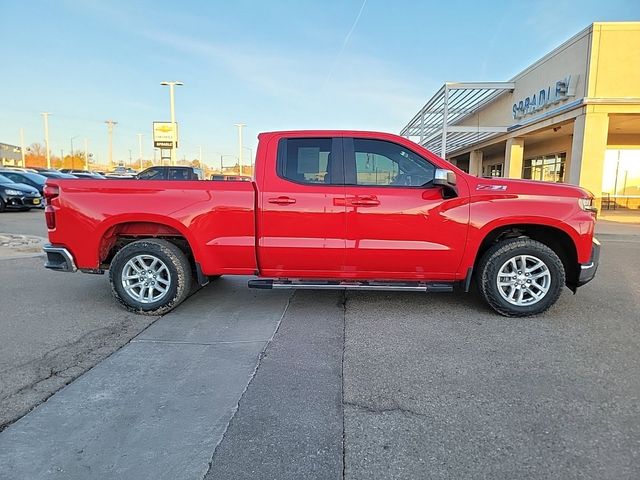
329	209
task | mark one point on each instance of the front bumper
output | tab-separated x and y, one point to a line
22	201
59	258
588	270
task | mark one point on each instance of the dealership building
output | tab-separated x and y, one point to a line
573	116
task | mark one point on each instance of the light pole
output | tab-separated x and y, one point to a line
140	135
86	154
46	137
172	105
240	126
22	146
73	160
250	158
110	125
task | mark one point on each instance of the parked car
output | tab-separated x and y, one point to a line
55	174
330	209
17	195
34	180
230	178
19	169
82	173
171	173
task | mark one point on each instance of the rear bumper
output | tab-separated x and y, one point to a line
588	270
59	258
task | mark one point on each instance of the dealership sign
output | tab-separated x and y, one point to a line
165	135
545	97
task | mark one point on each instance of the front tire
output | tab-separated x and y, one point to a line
150	277
520	277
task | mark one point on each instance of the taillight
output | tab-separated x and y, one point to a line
50	192
50	217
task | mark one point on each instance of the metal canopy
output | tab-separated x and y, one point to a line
436	124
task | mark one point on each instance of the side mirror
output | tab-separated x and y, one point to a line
443	177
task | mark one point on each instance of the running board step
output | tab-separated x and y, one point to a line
351	285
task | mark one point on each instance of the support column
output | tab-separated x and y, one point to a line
475	163
590	132
513	155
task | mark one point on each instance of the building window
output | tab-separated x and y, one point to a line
549	168
495	170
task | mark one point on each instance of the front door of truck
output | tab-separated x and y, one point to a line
302	222
399	225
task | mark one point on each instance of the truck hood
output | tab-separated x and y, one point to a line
507	186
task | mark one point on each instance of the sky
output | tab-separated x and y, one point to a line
272	65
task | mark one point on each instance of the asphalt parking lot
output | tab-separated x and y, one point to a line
237	383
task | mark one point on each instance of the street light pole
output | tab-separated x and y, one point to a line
86	154
46	137
250	158
140	135
22	146
172	106
240	126
110	125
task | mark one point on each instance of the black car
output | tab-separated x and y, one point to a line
17	195
34	180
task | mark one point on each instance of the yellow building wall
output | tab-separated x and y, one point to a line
614	70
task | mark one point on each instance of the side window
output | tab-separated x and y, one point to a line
383	163
306	160
151	174
179	174
12	176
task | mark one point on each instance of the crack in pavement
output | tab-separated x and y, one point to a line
381	410
57	368
262	355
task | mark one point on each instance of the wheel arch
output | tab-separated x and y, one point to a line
120	232
553	236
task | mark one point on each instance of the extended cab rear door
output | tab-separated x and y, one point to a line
302	225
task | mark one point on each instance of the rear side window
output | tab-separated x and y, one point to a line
308	160
179	174
151	174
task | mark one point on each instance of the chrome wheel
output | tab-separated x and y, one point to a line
523	280
146	278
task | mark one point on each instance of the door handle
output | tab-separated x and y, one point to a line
371	201
282	200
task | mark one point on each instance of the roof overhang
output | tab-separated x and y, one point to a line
437	125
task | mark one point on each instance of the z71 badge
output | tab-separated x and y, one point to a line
493	188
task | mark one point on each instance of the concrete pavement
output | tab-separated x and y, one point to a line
158	407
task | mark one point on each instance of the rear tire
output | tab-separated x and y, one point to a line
150	277
520	277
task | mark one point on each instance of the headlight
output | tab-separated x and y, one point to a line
587	205
14	192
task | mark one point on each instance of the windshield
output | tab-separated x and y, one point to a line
36	178
4	179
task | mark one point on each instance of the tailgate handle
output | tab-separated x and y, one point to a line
282	200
